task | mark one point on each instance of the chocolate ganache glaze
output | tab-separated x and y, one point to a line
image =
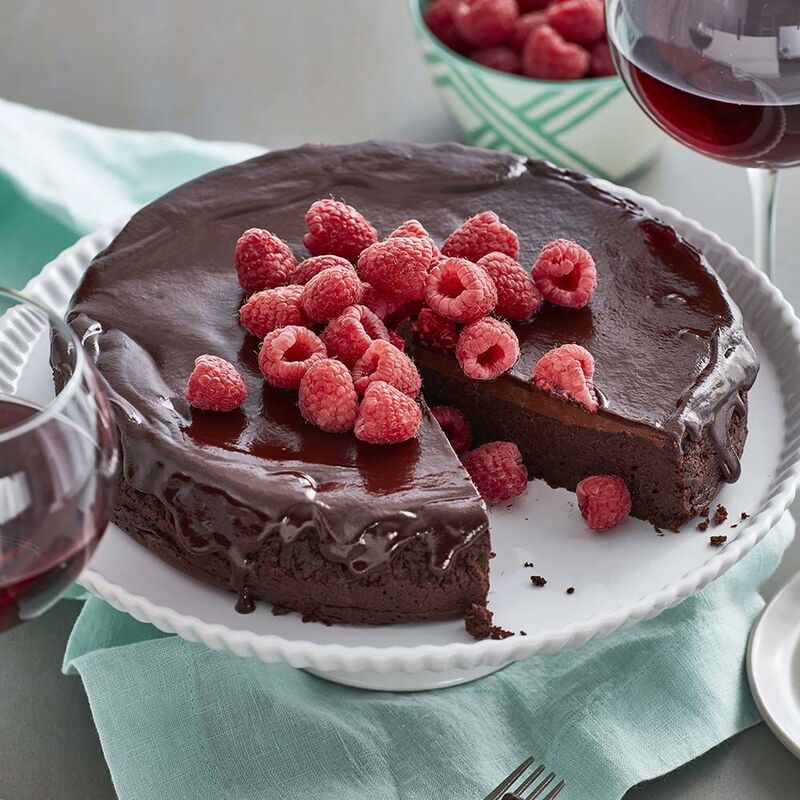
671	354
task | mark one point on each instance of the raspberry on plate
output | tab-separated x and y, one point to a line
262	260
382	361
518	298
501	58
565	274
485	23
486	349
602	63
549	56
272	308
604	501
435	331
398	266
330	292
348	336
327	396
578	21
480	235
386	416
497	471
568	371
311	267
456	427
334	228
523	26
287	353
215	385
460	290
438	16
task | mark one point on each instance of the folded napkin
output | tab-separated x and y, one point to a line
178	720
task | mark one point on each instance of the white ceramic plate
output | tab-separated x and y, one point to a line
625	576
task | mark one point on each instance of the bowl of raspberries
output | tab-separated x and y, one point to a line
535	77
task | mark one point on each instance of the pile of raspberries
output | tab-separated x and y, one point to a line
328	327
549	39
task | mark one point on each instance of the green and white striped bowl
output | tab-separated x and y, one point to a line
591	125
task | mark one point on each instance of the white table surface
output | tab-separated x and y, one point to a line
280	74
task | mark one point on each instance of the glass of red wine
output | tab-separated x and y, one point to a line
58	458
722	77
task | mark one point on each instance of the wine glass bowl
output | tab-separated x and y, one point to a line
58	462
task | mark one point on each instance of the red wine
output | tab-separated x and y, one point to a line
49	523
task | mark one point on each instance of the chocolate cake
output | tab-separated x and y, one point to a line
262	503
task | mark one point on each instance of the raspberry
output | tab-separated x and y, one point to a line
568	371
382	361
578	21
330	292
497	471
604	501
287	353
379	303
523	27
415	230
386	416
215	385
311	267
272	308
501	58
397	340
547	55
262	260
602	63
479	236
337	229
565	274
517	296
459	290
487	348
439	18
435	331
485	23
397	266
455	426
349	335
327	397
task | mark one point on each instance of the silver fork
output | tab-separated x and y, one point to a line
508	788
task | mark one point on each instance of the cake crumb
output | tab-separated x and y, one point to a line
720	515
496	632
703	526
704	512
523	633
478	622
659	534
492	554
718	541
744	515
528	564
571	590
538	580
735	525
657	529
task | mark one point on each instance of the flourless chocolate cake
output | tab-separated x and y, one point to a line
260	502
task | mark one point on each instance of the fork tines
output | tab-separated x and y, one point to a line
514	786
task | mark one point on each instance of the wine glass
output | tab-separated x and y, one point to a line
722	77
58	458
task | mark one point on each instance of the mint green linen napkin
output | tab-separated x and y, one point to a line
178	720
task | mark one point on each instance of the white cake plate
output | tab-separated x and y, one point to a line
631	573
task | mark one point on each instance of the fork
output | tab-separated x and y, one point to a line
507	791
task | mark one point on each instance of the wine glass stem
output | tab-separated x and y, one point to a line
764	191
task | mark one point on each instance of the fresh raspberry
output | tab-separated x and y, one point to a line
438	15
415	229
398	266
459	290
568	371
215	385
330	292
548	55
497	471
311	267
349	335
479	236
532	5
501	58
386	416
565	274
435	331
272	308
602	63
578	21
397	340
456	427
485	23
523	27
487	348
517	296
382	361
337	229
327	397
262	260
604	501
287	353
